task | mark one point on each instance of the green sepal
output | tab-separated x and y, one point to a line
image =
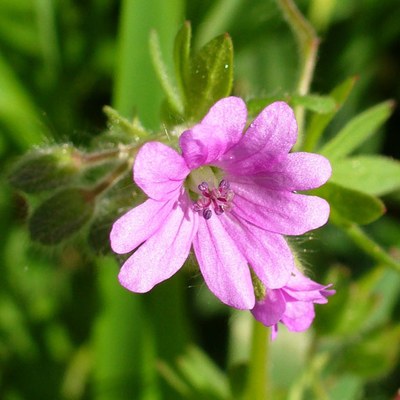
350	206
45	170
357	131
61	215
372	174
210	76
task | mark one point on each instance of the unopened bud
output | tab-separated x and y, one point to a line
44	170
62	215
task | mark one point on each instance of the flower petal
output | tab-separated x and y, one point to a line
296	171
163	254
267	253
202	144
224	268
298	316
230	114
159	171
272	134
138	224
301	288
219	130
269	311
278	211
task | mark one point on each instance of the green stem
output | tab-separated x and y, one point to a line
258	378
308	43
371	247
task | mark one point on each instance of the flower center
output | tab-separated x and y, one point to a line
217	199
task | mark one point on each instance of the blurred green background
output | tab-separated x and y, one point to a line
67	330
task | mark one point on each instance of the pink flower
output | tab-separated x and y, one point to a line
292	305
230	195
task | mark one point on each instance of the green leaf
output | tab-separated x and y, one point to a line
348	205
44	170
374	355
255	106
346	387
357	131
202	374
375	175
135	84
61	215
210	77
316	103
319	122
182	56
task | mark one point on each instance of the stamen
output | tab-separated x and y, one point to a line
219	198
207	213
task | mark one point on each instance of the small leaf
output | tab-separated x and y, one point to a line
61	215
320	121
182	56
357	131
316	103
44	170
348	205
375	175
210	77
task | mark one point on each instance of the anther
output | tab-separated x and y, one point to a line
207	213
219	198
203	187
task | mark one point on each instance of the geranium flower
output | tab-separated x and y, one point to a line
229	194
292	305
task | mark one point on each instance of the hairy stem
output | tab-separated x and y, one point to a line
371	247
308	43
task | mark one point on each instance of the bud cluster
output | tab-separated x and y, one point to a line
70	191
